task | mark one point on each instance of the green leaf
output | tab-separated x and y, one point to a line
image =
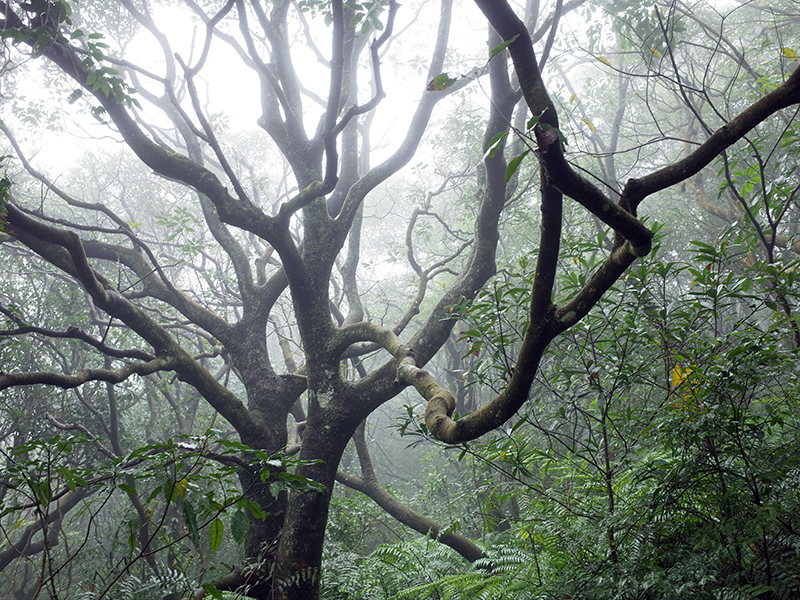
441	82
190	518
300	483
42	491
533	121
255	509
215	534
494	144
156	491
500	47
470	333
212	591
561	136
170	491
513	165
128	489
239	526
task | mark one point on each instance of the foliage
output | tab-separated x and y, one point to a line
506	573
191	479
389	572
658	458
656	455
47	19
493	325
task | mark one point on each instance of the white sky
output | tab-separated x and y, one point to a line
234	90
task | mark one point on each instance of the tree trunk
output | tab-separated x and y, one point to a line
299	557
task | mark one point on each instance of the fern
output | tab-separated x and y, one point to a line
507	573
171	581
303	576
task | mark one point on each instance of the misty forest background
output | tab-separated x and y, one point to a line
360	301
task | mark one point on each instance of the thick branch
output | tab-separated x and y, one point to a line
241	213
8	380
74	261
419	123
786	95
76	334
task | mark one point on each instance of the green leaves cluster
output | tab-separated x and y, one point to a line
100	77
364	16
493	325
192	478
45	17
663	423
179	472
47	21
497	140
666	422
39	473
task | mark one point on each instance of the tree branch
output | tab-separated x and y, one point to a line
8	380
369	486
784	96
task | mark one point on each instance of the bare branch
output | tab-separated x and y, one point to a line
78	427
784	96
369	486
8	380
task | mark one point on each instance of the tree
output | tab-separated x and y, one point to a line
292	253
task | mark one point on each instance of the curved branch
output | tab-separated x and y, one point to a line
557	12
65	250
369	486
24	547
78	427
784	96
560	173
241	213
210	137
8	380
75	334
158	288
419	122
379	94
562	176
437	327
